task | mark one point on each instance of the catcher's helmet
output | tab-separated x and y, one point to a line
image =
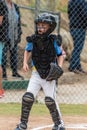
47	18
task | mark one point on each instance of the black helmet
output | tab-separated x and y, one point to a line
47	18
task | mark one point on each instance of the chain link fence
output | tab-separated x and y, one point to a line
72	88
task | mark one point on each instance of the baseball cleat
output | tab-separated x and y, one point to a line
21	126
58	127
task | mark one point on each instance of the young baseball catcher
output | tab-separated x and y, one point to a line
47	60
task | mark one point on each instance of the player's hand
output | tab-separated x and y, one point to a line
25	67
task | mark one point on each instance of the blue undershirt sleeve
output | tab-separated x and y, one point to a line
29	46
57	49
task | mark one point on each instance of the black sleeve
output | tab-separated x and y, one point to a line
2	12
19	21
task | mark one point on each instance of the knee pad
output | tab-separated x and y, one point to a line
50	103
28	98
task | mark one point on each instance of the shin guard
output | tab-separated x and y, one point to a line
50	103
27	102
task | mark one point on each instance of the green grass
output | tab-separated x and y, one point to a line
40	109
73	109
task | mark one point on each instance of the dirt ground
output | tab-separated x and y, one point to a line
9	123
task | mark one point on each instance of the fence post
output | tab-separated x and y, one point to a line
37	7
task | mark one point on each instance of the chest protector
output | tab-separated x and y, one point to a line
43	54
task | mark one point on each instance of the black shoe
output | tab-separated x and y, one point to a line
16	75
78	71
21	126
58	127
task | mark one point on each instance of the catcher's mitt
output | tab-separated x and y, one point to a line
55	72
